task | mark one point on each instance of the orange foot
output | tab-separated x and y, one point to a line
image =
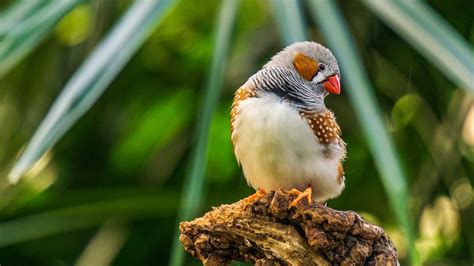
301	195
260	192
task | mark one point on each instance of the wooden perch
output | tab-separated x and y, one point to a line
265	230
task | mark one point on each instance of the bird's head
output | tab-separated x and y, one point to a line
313	64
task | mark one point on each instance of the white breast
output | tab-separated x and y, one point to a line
277	148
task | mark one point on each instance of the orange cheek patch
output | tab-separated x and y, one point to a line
306	66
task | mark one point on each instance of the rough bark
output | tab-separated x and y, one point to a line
266	230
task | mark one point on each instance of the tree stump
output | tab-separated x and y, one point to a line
266	230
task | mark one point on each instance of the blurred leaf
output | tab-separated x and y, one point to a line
15	12
105	245
57	199
439	229
289	20
336	32
76	26
24	24
83	216
193	185
222	165
92	78
405	110
432	36
156	127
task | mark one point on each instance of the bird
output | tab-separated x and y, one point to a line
282	133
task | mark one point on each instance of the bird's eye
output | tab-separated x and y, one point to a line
322	67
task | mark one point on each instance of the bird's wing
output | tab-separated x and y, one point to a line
241	94
326	131
324	126
340	171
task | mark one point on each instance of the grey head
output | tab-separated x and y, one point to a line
303	73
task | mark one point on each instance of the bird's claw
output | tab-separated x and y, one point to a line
260	192
307	193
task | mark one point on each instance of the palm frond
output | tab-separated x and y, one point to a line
24	25
81	216
431	36
91	79
194	183
289	20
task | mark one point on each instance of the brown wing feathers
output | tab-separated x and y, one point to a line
324	126
241	94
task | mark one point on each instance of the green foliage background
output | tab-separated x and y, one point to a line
113	187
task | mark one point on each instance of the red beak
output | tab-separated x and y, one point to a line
332	84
